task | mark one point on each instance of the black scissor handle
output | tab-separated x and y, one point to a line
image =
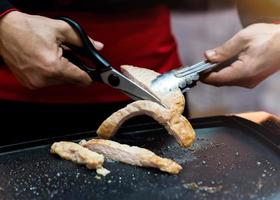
101	63
73	58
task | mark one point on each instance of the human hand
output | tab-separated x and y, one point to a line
31	46
257	48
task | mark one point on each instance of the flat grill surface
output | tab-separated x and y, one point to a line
225	162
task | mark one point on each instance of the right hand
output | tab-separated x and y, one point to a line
257	49
31	47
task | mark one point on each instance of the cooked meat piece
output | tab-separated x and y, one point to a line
78	154
171	118
102	171
175	123
174	100
132	155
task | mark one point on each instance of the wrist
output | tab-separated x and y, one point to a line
10	18
7	24
10	12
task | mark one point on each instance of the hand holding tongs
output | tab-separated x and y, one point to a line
104	72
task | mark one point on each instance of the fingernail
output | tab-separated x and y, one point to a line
98	45
211	53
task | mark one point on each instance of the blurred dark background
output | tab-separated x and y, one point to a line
199	4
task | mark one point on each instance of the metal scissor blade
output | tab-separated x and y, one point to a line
117	80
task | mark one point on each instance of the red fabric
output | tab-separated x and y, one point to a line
141	38
7	11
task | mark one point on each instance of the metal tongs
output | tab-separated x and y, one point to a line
183	78
103	70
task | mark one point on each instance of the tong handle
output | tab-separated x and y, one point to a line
101	63
196	69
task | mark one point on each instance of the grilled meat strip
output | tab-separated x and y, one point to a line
176	124
78	154
131	155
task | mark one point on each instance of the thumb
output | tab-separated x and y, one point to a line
69	36
228	50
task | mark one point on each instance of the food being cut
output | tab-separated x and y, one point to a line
174	100
170	117
176	124
131	155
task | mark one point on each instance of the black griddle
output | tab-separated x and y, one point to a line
232	158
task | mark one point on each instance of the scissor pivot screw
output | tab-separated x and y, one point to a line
114	80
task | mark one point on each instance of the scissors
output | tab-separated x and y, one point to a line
103	71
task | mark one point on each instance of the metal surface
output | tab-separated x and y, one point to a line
229	160
130	88
183	78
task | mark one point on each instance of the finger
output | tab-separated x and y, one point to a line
70	73
98	45
228	50
69	36
231	75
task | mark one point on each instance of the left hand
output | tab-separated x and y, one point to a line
257	48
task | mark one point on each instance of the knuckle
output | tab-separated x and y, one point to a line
223	53
61	26
64	27
49	67
244	36
50	61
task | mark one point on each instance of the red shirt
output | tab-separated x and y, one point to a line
142	38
